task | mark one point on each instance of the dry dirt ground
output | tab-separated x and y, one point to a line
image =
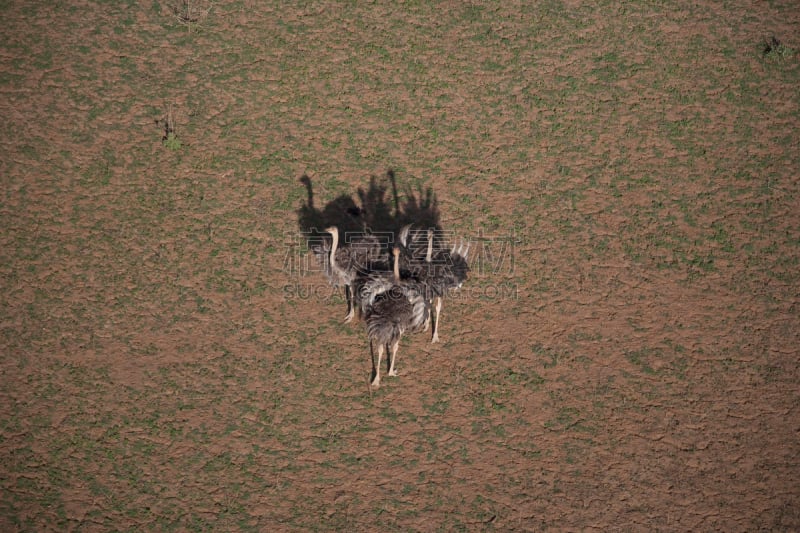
624	355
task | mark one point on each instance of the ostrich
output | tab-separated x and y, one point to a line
378	274
439	271
343	264
391	307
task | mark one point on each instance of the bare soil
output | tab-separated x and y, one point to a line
624	355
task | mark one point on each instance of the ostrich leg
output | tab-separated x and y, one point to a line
376	367
436	317
351	310
393	358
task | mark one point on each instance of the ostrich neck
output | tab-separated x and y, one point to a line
396	268
334	245
430	247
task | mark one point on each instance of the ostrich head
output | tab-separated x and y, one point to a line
334	231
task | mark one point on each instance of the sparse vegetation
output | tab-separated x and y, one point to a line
170	138
162	369
774	49
192	13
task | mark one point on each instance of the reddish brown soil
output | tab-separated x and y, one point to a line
623	357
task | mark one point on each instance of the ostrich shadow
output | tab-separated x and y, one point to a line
372	211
